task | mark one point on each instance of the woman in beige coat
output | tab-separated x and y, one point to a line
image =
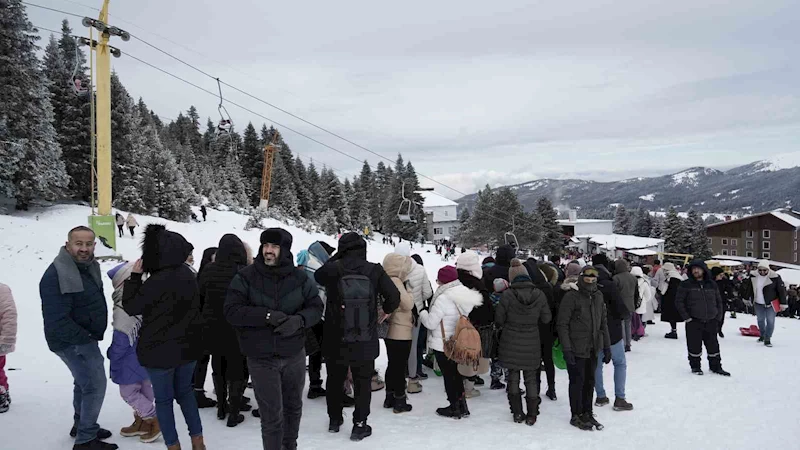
398	338
8	338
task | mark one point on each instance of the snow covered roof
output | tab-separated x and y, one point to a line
433	200
643	252
747	259
579	221
790	276
622	241
791	219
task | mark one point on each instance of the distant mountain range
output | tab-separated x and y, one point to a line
758	186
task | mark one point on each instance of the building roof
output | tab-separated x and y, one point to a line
747	259
433	200
580	221
790	217
622	241
790	276
643	252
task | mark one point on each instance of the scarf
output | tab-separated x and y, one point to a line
121	321
69	276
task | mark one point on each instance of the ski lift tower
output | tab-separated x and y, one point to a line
103	222
266	175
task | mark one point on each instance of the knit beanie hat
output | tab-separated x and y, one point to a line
517	269
573	269
447	274
600	260
470	262
763	264
120	273
500	285
403	249
715	271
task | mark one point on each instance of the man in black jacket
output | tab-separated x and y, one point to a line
270	304
343	350
700	306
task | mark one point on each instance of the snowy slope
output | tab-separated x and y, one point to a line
673	408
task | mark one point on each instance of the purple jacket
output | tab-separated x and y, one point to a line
124	367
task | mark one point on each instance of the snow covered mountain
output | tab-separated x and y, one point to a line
758	186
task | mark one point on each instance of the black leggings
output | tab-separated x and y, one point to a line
546	338
397	352
453	381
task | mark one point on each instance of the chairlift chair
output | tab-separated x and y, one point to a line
406	210
225	125
511	239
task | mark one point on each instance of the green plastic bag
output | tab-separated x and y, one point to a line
558	356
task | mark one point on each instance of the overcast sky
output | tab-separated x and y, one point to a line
476	92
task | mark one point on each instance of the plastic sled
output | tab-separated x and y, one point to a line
750	331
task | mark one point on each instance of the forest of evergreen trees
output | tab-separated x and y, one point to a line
165	168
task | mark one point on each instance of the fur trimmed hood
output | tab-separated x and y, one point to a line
162	248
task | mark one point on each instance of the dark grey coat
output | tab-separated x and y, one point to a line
582	322
519	313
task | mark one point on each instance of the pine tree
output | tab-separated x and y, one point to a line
622	223
127	145
656	229
27	113
281	193
315	189
303	191
480	228
334	198
370	192
676	237
551	240
167	192
642	223
464	235
698	239
252	163
328	223
383	180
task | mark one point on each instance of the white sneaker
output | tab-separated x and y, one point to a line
473	393
414	386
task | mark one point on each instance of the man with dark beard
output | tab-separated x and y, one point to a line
270	303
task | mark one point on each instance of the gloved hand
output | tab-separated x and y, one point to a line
290	326
606	355
275	318
5	348
569	357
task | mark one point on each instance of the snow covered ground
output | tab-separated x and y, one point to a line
756	408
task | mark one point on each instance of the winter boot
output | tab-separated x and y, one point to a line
152	430
96	444
256	413
197	443
202	400
472	393
414	386
235	390
697	371
589	418
453	411
360	431
389	402
767	343
533	410
720	371
221	389
672	334
5	400
515	402
175	447
377	385
477	380
621	405
497	385
316	392
135	429
551	393
102	433
577	422
401	404
463	408
422	375
335	425
601	401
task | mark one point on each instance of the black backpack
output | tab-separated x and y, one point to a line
359	317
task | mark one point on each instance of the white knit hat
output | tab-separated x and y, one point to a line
470	262
763	264
403	248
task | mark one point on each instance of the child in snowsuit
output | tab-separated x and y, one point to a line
132	378
497	370
8	338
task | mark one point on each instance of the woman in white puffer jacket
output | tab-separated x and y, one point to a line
451	301
647	310
421	290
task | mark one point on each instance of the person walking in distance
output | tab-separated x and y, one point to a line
522	309
170	338
131	223
203	211
120	224
75	318
270	304
700	306
583	331
764	287
352	285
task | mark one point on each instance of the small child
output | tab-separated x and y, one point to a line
498	372
133	380
8	338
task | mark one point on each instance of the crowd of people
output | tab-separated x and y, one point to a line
259	317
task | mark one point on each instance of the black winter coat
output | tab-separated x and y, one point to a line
353	255
776	289
258	289
483	315
699	299
500	269
519	314
169	302
582	323
220	337
669	309
615	306
541	283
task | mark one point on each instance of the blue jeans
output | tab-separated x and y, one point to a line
620	371
89	374
175	384
766	320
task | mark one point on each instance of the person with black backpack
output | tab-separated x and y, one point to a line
353	285
270	304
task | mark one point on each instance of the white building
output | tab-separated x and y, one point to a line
441	215
618	245
580	227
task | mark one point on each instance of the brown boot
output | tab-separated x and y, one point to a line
174	447
135	429
153	430
197	443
